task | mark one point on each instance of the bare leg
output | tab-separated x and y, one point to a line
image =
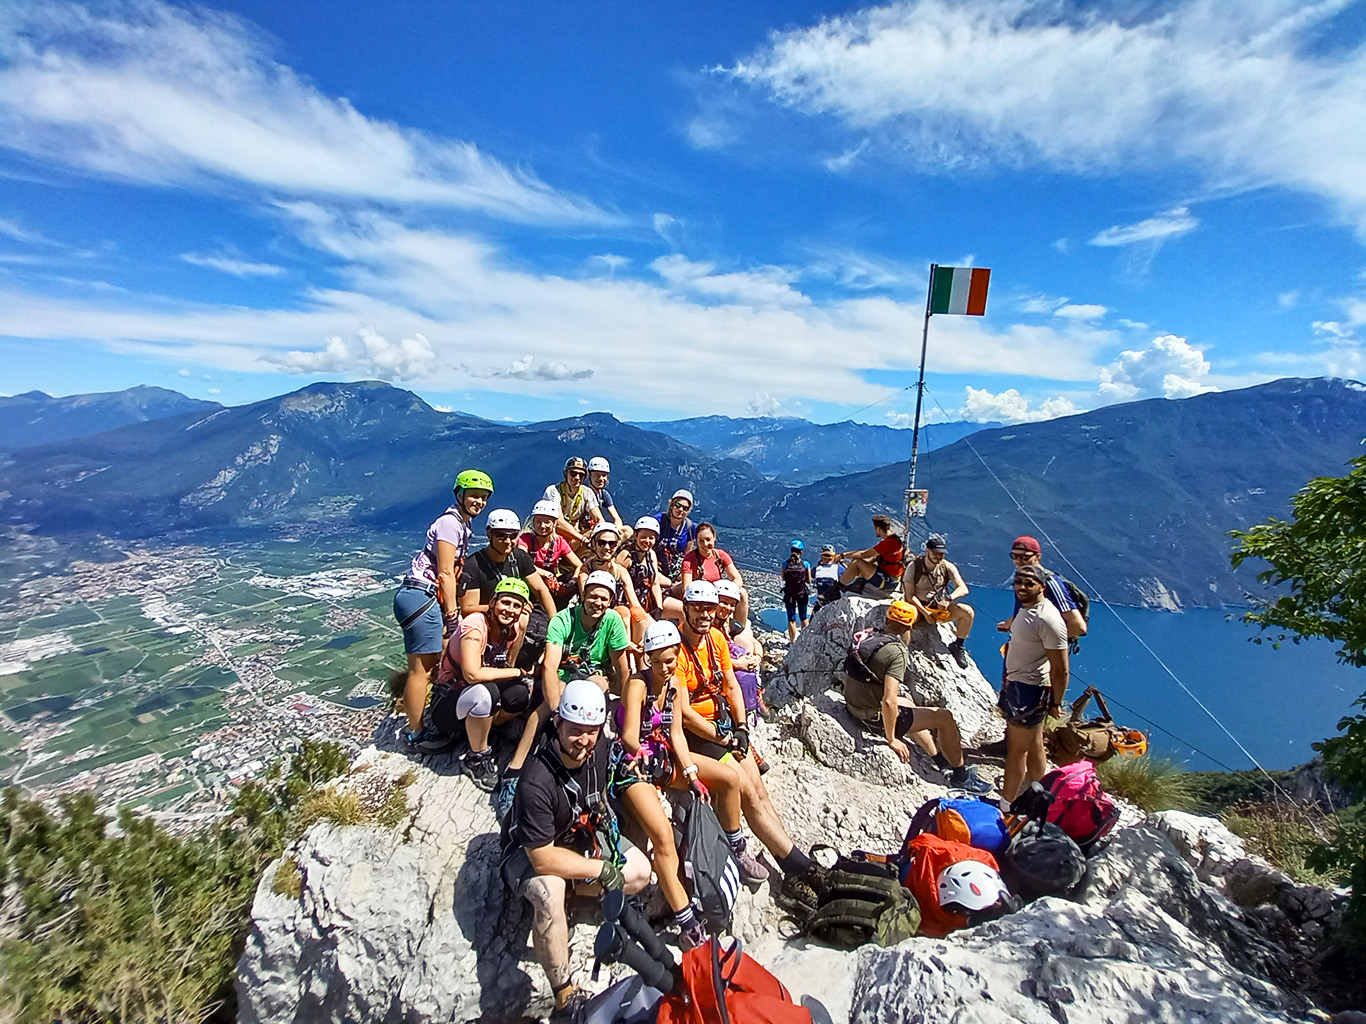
550	931
534	722
643	801
940	720
478	729
415	689
724	784
1018	743
763	819
856	568
962	616
742	610
791	631
1038	758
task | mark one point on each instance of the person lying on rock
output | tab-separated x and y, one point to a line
562	835
1033	682
652	751
872	692
714	718
936	589
582	642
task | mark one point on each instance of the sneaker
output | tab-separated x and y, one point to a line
959	653
566	1013
482	768
502	800
752	869
965	778
693	935
799	894
427	740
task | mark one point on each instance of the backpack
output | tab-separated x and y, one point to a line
969	820
795	578
629	1001
1081	807
728	986
1042	860
709	865
857	907
440	713
1077	595
533	644
929	855
1096	740
867	642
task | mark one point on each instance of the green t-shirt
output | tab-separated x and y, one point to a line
566	631
864	700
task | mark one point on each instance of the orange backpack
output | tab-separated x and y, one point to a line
728	986
929	856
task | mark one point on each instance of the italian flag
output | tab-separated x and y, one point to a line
959	290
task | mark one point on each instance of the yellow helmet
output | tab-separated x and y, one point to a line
901	612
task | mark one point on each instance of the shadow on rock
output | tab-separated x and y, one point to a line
497	925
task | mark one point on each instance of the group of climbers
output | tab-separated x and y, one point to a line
625	657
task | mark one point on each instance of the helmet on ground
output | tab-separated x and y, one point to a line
600	578
970	886
647	523
512	585
1130	743
902	613
797	545
605	527
583	703
546	507
659	635
683	492
504	519
728	589
699	592
574	462
473	480
598	464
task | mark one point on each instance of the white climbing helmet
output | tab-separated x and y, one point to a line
683	492
970	886
648	523
728	589
583	703
598	464
600	578
659	635
546	507
699	592
606	527
504	519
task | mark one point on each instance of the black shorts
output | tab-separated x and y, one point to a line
905	722
710	748
1024	704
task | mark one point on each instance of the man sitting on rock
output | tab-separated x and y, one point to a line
1034	680
878	566
935	587
562	835
875	669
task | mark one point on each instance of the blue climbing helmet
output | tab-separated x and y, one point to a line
797	545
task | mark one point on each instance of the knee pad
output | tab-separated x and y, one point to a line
516	697
476	700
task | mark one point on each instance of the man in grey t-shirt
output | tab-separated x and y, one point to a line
875	699
1034	682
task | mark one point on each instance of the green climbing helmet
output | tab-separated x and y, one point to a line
513	585
473	480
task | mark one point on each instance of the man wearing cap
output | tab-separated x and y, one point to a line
578	504
500	560
1034	682
562	835
935	587
1026	551
873	696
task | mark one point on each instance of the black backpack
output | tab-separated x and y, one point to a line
866	644
1042	860
709	865
1077	595
859	902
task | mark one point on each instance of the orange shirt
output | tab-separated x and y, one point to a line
713	654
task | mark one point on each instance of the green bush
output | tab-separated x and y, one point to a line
1286	835
1152	783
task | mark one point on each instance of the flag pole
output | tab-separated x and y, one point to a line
919	397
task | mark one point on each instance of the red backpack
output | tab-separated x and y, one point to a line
727	986
1080	807
929	856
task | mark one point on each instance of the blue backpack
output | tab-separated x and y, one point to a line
970	820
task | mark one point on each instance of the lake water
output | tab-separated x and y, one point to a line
1275	701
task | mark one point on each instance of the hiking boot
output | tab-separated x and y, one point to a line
800	894
959	653
502	800
427	740
693	935
566	1013
752	869
482	768
965	778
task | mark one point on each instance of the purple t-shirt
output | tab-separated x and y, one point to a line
450	527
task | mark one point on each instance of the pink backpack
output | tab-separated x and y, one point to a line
1080	807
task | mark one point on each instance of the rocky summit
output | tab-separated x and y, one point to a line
410	921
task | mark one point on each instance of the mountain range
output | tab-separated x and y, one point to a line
797	451
1139	497
37	418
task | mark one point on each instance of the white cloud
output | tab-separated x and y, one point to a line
16	231
232	265
443	408
146	91
1009	406
369	353
845	160
1243	93
1344	355
184	372
1080	311
1168	368
1154	229
611	261
901	419
859	271
215	391
764	404
762	286
531	368
1288	300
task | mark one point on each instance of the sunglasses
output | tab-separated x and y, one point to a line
503	534
575	472
1021	554
1028	581
605	542
680	504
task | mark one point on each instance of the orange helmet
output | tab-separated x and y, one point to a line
902	613
1129	742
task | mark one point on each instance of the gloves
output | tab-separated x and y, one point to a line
700	789
740	742
610	876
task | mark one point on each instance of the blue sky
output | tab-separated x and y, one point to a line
529	210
